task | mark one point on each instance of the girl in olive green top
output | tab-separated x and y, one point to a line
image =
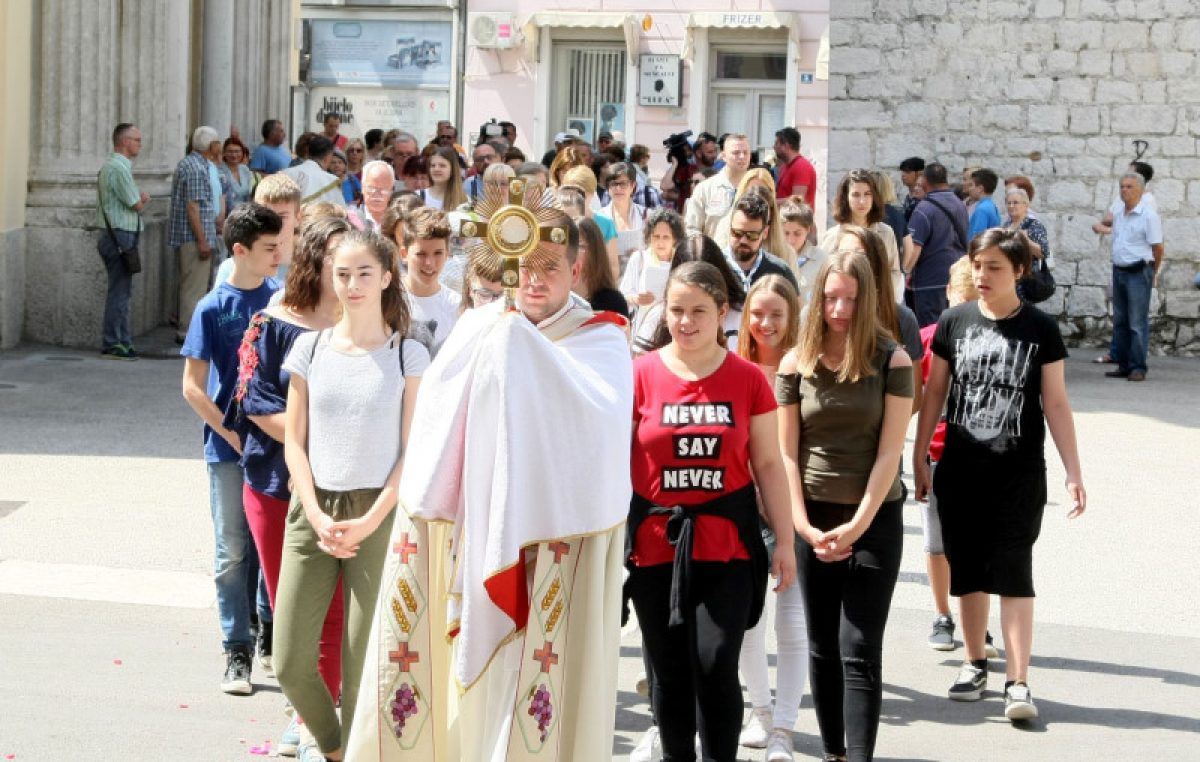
845	395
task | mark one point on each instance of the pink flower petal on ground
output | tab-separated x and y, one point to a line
118	662
183	706
261	751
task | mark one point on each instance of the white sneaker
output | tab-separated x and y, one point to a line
758	728
649	749
1018	703
779	746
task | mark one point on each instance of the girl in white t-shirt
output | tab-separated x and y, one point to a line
351	397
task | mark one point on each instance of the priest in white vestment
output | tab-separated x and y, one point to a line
497	632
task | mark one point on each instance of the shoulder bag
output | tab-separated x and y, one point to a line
1039	285
130	257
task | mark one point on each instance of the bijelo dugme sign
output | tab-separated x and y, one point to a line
415	111
659	80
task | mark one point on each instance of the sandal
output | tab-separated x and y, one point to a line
1104	359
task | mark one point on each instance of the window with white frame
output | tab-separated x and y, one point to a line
747	92
588	88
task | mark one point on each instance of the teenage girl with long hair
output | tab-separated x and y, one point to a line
897	318
446	185
845	393
858	202
351	396
770	327
596	282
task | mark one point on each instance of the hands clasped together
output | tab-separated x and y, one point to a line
339	539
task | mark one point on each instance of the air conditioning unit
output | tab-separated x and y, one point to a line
492	30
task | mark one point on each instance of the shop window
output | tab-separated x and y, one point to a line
589	88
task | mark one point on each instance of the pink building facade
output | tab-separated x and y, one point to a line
648	69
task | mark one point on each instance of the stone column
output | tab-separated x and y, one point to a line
216	81
76	59
261	62
97	63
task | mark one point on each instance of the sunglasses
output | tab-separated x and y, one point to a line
749	235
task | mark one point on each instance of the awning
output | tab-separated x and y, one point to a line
738	20
627	22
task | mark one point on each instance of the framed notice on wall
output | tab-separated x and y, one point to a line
659	80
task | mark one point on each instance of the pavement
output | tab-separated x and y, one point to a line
110	649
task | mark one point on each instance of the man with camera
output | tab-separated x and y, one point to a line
678	179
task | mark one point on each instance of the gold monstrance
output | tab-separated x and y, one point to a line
514	227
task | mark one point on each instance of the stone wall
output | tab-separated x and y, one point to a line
12	286
1057	90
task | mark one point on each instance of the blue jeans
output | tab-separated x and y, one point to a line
1131	318
120	288
235	568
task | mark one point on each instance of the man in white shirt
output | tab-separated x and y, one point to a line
433	308
316	183
712	201
1137	255
1105	227
378	180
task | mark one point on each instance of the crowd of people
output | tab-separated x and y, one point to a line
767	375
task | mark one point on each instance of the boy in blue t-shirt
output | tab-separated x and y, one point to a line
986	215
252	235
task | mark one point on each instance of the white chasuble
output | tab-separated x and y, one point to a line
496	633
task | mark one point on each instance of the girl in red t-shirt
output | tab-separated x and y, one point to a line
704	430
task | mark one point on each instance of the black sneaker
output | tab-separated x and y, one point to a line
972	679
989	648
265	637
1018	703
237	673
118	352
942	636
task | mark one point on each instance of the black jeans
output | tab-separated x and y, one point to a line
695	665
847	604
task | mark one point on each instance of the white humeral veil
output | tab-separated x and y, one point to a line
496	633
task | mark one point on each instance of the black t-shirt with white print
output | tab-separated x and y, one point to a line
994	408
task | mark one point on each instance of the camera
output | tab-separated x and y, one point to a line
677	146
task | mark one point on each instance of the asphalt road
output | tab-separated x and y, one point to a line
110	649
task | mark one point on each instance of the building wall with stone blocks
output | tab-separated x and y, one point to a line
1058	90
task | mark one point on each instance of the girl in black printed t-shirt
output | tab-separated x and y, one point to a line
997	366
